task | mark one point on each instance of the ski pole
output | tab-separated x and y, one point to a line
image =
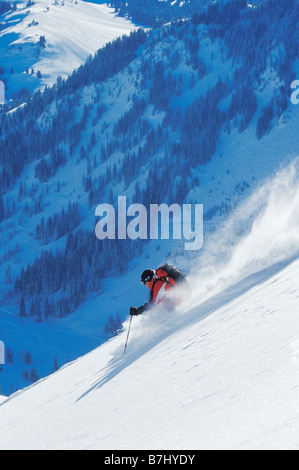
128	334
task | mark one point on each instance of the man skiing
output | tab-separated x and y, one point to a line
159	283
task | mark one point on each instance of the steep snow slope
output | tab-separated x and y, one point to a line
221	372
239	164
73	29
226	378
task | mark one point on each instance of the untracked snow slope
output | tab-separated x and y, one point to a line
223	378
73	30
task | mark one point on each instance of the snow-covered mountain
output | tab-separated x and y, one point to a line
220	373
156	12
197	111
44	39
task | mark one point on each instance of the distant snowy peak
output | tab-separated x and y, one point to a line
44	39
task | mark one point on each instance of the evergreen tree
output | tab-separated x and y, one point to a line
33	375
22	308
2	213
28	358
55	368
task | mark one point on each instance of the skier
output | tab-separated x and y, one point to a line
159	283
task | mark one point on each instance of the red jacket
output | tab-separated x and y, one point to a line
161	283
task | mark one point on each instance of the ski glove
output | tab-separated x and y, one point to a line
133	311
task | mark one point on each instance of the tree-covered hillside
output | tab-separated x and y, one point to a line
158	12
167	117
154	12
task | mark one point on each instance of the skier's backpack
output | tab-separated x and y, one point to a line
174	273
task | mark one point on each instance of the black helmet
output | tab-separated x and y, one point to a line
147	275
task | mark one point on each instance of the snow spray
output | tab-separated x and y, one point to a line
261	232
